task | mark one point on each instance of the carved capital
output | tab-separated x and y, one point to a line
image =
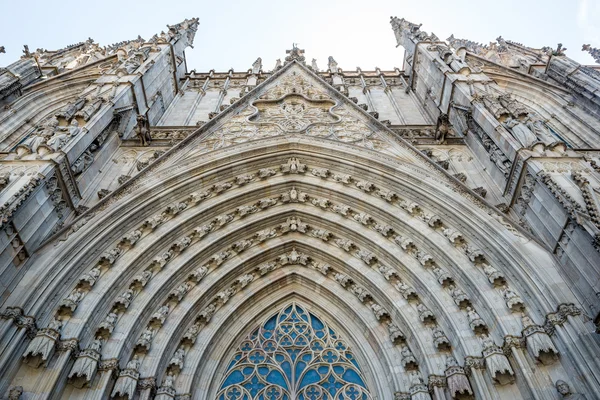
69	345
147	383
436	381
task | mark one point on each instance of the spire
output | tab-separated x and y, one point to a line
594	52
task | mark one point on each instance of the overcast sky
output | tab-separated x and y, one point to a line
355	32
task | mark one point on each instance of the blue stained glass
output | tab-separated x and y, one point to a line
311	376
276	378
351	376
234	377
293	356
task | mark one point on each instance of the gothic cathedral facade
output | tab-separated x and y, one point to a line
296	233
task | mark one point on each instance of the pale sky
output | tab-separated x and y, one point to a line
355	32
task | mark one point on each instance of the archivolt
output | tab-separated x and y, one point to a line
185	242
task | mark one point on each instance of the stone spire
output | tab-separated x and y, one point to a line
594	52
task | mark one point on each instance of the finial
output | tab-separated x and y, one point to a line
295	54
594	52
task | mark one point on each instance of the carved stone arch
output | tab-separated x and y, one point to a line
136	320
40	102
551	103
373	359
112	288
176	191
235	268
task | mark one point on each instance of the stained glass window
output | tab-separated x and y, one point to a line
293	355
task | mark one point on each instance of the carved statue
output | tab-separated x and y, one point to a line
475	320
177	359
520	132
378	311
169	381
366	256
439	338
58	140
145	339
541	131
208	312
257	66
91	276
72	300
293	166
192	332
40	136
314	65
134	363
277	64
142	130
245	280
109	322
513	301
424	313
563	388
71	108
181	291
395	333
408	359
161	314
332	65
125	298
406	291
225	295
55	324
88	111
460	297
418	390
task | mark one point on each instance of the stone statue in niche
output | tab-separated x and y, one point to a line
565	391
541	130
71	108
58	140
520	132
39	137
88	111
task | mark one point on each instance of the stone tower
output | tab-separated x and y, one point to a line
429	232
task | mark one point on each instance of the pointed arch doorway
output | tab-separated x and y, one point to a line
293	355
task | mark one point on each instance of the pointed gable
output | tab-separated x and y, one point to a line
294	101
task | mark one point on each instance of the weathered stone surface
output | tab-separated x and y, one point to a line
153	219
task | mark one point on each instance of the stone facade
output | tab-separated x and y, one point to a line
430	232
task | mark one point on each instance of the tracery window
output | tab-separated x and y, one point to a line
293	355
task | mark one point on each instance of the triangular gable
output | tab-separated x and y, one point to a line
294	101
258	115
